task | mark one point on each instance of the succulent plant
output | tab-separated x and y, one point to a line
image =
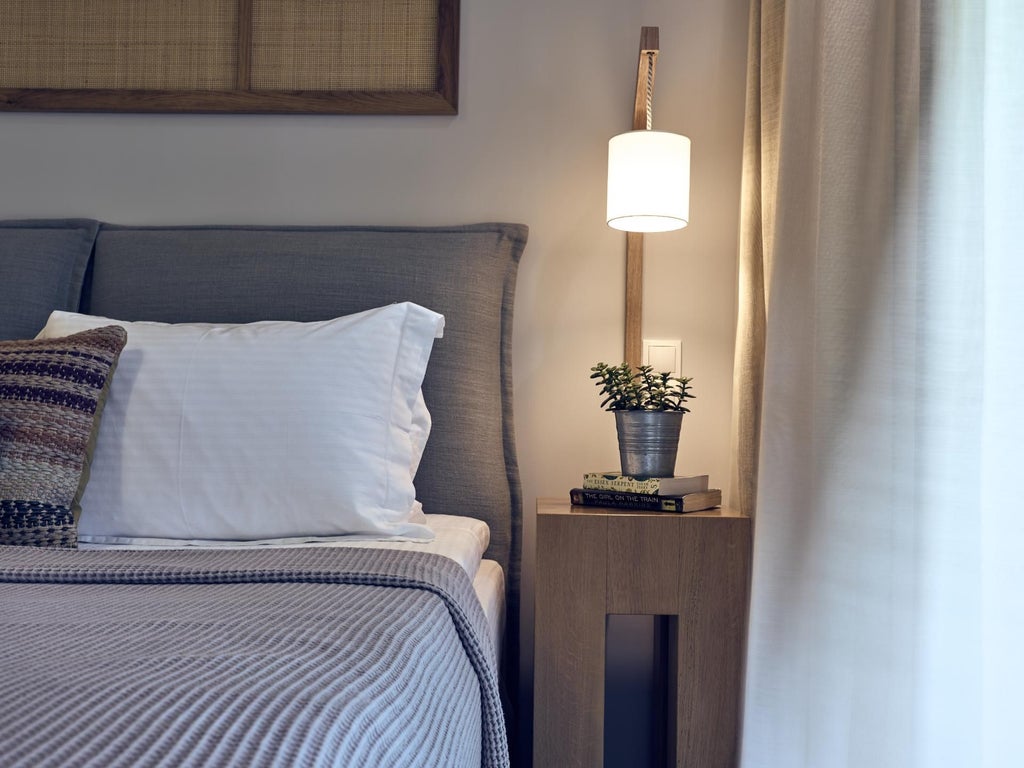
626	389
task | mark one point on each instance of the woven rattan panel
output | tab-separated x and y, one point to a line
377	45
131	44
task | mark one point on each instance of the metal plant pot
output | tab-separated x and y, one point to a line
648	441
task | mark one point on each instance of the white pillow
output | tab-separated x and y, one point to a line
261	431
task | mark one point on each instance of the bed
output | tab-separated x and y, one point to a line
294	546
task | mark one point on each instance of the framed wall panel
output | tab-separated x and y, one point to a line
313	56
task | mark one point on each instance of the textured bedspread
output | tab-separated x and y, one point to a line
244	658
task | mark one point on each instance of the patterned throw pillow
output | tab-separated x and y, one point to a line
51	395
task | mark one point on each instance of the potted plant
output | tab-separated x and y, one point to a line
648	410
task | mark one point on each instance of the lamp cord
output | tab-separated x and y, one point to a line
650	88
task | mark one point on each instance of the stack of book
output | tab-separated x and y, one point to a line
653	494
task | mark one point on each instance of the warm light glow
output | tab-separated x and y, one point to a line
648	181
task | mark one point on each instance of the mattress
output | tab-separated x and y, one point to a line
489	586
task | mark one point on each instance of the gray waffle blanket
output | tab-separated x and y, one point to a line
281	657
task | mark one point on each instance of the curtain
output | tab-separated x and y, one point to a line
879	431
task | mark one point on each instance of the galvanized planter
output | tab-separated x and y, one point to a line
648	441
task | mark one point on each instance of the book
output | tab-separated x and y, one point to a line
659	486
650	502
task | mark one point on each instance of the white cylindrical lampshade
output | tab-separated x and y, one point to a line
648	181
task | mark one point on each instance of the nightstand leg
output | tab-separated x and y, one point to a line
570	650
709	644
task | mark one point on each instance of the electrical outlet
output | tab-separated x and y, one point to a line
663	355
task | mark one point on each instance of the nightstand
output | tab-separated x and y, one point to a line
593	562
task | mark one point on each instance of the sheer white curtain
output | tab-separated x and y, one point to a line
880	379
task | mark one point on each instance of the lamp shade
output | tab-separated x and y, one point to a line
648	181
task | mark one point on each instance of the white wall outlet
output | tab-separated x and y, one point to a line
663	355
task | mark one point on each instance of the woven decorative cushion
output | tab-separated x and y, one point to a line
51	396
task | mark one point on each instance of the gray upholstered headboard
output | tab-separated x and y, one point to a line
242	274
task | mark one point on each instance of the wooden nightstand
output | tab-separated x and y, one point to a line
592	562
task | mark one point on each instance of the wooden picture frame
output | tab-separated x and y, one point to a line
245	56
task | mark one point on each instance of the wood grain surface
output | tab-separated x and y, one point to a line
592	562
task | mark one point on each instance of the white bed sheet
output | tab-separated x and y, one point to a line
462	539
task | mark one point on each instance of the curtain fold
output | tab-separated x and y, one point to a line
879	347
759	171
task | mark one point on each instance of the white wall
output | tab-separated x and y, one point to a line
543	85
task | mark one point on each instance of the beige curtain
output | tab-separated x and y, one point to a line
821	141
878	416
